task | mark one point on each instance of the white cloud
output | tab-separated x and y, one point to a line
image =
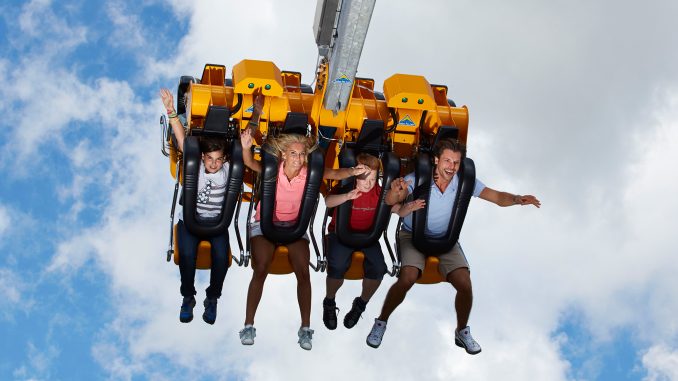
662	364
543	107
13	294
39	363
38	21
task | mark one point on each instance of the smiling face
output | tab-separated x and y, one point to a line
364	183
447	165
294	156
213	161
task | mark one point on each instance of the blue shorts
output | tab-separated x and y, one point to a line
339	259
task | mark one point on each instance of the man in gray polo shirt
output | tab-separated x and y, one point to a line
448	155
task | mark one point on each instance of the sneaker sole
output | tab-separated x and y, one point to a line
375	346
247	343
207	320
349	323
185	320
460	344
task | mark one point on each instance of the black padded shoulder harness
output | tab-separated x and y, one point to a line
287	234
346	235
422	189
191	159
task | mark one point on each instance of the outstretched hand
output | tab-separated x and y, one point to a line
167	99
527	199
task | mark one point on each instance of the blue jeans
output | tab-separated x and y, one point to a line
188	254
339	259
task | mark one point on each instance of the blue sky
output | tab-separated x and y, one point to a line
575	102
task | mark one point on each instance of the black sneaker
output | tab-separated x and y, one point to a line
352	317
186	313
210	314
330	313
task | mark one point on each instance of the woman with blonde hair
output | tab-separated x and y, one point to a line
292	151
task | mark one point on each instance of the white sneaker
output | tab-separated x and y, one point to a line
247	335
305	338
376	334
464	339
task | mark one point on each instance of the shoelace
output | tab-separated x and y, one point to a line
306	335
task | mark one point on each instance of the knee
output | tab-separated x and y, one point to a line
259	271
407	280
462	284
303	275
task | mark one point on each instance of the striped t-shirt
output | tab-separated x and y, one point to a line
211	191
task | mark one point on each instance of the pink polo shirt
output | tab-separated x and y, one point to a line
288	196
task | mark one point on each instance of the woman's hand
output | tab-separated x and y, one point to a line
360	169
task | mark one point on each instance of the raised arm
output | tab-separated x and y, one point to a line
337	199
246	141
508	199
342	173
177	128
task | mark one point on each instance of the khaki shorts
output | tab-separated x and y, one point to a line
410	256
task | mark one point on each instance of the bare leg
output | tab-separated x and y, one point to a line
299	255
370	286
396	294
461	281
262	255
332	286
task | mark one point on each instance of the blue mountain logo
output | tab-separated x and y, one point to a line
342	79
406	121
250	109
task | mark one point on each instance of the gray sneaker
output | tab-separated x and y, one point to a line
464	339
247	335
376	334
305	338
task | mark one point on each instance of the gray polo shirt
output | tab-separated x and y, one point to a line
440	205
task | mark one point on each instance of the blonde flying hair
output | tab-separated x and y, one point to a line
276	145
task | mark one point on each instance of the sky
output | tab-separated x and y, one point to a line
575	102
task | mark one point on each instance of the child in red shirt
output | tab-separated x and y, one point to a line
365	198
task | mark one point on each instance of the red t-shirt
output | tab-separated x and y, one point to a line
363	210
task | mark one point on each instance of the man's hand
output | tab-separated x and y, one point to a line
527	199
398	191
